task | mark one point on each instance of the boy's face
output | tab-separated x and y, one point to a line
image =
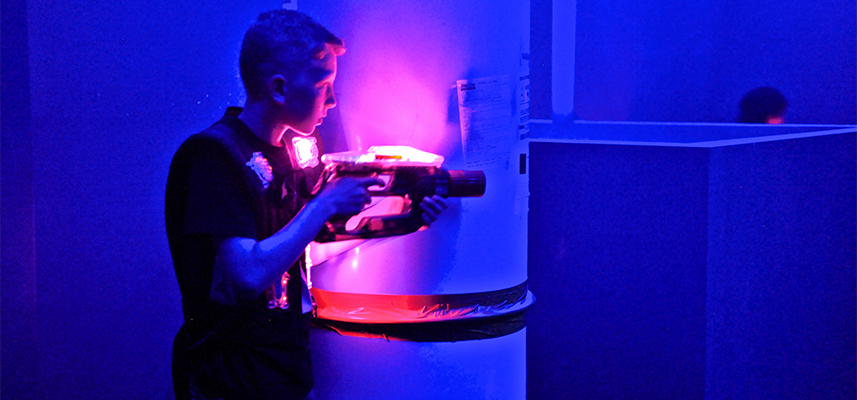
312	94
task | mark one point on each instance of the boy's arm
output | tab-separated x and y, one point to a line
246	267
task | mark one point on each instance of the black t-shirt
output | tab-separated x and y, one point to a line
211	194
209	197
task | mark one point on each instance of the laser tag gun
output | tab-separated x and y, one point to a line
408	173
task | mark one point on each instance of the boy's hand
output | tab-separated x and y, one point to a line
347	196
432	207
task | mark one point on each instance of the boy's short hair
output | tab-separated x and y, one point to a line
281	42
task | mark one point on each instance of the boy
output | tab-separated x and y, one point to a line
242	203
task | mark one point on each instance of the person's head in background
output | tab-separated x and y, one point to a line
763	105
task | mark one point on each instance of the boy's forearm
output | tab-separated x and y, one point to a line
246	267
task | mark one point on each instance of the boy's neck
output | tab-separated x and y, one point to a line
261	122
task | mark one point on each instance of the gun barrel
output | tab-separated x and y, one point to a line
466	183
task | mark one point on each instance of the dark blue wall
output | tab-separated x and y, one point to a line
18	272
692	61
114	88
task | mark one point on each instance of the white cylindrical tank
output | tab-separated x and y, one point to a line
347	368
398	84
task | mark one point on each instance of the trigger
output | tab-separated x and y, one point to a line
386	179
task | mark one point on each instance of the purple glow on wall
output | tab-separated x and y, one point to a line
386	98
396	79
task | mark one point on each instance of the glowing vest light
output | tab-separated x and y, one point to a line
306	151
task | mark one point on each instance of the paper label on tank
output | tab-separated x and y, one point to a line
487	130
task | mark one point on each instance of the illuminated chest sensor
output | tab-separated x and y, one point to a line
306	151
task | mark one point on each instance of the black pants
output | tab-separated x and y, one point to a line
267	358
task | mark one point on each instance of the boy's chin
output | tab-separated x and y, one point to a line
301	131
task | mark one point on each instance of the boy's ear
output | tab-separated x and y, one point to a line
277	88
